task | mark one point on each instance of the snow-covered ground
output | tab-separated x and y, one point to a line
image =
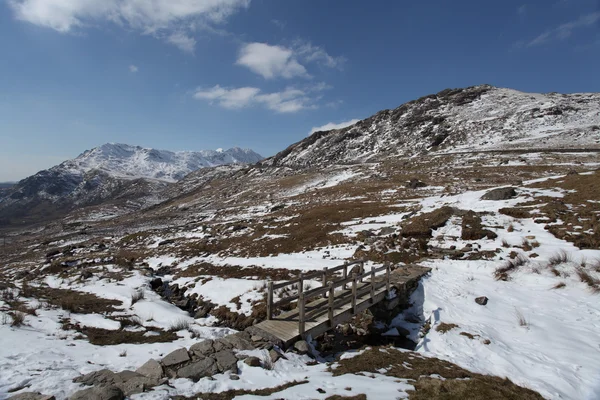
556	351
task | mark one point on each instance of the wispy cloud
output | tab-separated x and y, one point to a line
290	100
278	23
563	31
161	18
332	125
271	61
133	69
184	42
308	52
522	10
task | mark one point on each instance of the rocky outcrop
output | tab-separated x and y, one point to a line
500	194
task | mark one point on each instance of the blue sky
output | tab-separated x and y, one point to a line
202	74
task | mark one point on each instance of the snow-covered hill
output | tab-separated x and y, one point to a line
112	172
477	118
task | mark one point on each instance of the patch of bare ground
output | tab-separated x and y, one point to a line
105	337
423	224
445	327
457	383
71	300
237	272
472	228
576	216
231	394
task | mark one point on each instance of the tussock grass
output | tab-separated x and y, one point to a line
588	279
505	244
521	318
559	285
180	325
559	258
18	319
515	212
503	273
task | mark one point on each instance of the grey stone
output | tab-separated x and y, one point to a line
204	348
96	378
138	384
237	342
415	183
252	361
199	369
151	369
275	356
256	338
127	375
302	347
234	377
482	301
226	360
99	393
500	194
31	396
176	357
387	230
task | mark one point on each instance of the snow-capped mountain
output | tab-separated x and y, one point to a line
477	118
132	162
115	172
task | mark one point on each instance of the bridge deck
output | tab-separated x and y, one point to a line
284	328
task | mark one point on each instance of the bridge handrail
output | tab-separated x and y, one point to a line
328	290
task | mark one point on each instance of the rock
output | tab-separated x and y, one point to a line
178	356
99	393
235	341
415	183
156	283
252	361
255	338
234	377
199	369
138	384
573	172
151	369
500	194
31	396
387	230
302	347
97	378
274	355
226	360
481	300
204	348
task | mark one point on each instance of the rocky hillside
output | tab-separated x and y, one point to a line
113	172
477	118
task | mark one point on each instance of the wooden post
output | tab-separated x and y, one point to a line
362	270
270	300
387	278
301	283
345	274
354	293
372	284
325	280
331	298
301	315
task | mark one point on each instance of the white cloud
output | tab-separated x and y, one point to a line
307	52
270	61
133	69
289	100
184	42
565	30
522	10
159	17
330	126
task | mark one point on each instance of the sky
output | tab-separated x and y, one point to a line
261	74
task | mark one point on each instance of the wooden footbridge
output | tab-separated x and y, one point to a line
345	291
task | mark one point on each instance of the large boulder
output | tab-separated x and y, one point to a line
302	347
199	369
506	193
99	393
176	357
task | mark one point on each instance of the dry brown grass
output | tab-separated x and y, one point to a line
503	273
73	301
105	337
237	272
516	212
457	383
588	279
444	327
231	394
